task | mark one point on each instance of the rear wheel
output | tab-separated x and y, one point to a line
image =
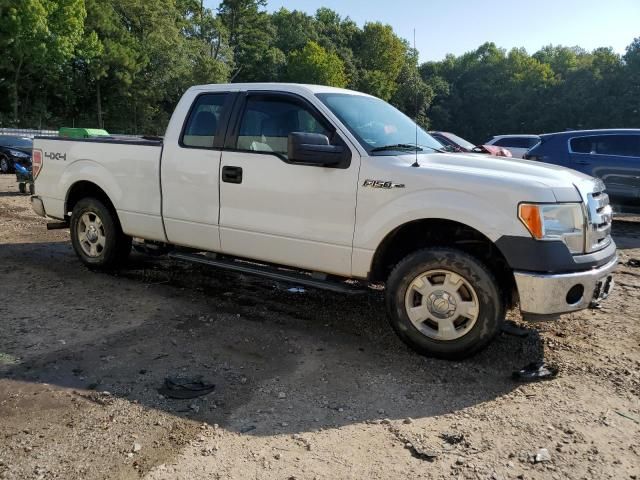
96	235
444	303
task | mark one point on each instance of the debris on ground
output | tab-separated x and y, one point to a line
452	438
511	328
185	388
543	455
536	371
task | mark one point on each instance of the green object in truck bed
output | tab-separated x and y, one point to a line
82	132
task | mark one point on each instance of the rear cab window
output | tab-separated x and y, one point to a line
203	127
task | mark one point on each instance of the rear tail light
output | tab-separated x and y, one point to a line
36	162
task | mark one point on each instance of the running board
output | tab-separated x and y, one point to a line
268	272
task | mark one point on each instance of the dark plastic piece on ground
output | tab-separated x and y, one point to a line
633	262
535	372
185	388
510	328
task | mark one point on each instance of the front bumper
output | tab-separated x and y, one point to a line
38	206
553	294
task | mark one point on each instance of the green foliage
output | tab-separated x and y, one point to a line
123	64
381	55
489	91
34	33
313	64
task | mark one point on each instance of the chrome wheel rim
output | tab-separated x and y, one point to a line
442	305
91	236
4	164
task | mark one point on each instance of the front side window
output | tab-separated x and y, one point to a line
375	123
267	122
203	120
622	145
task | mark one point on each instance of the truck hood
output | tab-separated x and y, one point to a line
564	182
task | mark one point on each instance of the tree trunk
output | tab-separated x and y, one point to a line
16	101
99	105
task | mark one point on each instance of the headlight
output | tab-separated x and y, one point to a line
559	221
18	154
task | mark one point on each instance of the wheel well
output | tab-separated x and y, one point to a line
424	233
84	189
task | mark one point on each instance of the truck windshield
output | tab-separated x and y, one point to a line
377	125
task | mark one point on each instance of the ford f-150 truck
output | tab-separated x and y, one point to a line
322	186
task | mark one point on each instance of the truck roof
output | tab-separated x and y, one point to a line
299	88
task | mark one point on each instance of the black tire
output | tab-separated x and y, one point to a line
6	166
22	187
489	316
117	245
32	189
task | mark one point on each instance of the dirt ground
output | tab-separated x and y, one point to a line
309	385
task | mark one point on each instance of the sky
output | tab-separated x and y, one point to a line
458	26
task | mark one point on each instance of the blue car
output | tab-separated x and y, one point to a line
611	155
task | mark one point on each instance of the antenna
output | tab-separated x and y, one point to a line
415	88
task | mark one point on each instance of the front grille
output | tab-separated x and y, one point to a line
599	217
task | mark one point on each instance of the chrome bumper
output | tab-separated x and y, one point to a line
38	206
542	294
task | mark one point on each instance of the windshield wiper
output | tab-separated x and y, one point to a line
440	150
397	146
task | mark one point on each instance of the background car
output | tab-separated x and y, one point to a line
518	145
611	155
459	144
14	149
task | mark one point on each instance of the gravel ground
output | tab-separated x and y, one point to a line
308	385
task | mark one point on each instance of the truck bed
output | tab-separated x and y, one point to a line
127	169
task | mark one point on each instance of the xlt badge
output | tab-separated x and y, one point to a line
382	184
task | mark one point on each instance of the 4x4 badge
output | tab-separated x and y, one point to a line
382	184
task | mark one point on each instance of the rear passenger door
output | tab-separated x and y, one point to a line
613	158
277	210
190	173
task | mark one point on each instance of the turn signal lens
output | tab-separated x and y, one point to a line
530	216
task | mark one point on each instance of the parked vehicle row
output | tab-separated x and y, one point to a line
611	155
317	185
14	150
454	143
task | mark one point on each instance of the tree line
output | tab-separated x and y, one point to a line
123	65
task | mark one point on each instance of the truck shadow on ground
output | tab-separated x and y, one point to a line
282	362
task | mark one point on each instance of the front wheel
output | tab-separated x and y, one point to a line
444	303
96	235
5	164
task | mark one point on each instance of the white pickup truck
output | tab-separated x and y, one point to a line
319	186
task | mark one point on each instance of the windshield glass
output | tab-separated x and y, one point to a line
375	123
460	141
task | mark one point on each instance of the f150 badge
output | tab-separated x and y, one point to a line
382	184
56	156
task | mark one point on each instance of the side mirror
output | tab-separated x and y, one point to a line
314	149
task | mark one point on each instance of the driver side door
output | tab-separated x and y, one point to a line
275	210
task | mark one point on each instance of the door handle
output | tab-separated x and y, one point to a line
232	174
